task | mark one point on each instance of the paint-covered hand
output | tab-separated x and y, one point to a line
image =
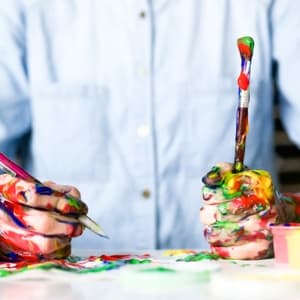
237	211
37	221
288	206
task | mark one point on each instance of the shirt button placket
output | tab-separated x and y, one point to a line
143	170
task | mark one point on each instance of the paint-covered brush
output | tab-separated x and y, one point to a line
245	46
9	167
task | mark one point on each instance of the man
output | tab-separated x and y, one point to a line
133	101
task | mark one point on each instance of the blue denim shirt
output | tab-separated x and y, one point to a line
133	101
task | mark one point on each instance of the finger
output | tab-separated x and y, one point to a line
225	166
213	195
64	189
40	196
43	222
20	241
13	253
208	214
215	176
258	249
233	235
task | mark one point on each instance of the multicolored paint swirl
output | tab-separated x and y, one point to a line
36	222
76	264
238	209
245	45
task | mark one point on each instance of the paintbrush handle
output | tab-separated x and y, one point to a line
245	45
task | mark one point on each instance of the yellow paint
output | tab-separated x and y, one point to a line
293	246
259	181
178	252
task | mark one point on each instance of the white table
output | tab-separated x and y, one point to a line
240	280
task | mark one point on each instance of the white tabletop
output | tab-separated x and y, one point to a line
210	280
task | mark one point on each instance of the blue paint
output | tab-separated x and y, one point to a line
43	190
12	216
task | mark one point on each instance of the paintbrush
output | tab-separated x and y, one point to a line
245	46
9	167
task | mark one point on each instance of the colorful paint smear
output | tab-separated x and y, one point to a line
75	264
34	226
60	199
200	256
238	209
245	45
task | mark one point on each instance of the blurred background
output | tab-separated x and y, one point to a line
288	158
287	153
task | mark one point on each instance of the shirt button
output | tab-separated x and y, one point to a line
142	14
146	194
143	131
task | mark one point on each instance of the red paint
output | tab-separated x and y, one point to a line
116	257
252	237
246	202
19	241
220	251
266	219
243	81
295	197
245	50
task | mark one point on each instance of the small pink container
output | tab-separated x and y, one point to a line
285	238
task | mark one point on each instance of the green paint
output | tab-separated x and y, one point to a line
4	273
261	266
135	261
222	208
247	40
53	265
73	201
245	265
260	207
227	225
287	199
200	256
228	194
99	269
77	269
73	259
157	269
239	166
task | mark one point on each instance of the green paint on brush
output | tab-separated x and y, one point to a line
73	201
248	41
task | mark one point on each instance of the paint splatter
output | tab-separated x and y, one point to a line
178	252
76	264
200	256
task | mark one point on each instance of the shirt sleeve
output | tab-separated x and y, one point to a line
285	25
14	104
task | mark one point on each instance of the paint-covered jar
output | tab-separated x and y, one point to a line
286	239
